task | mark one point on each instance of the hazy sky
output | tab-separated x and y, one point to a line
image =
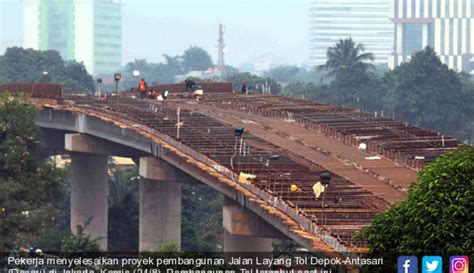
277	29
254	29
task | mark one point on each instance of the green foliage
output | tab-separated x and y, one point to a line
355	86
201	214
80	242
308	91
28	65
422	91
153	73
230	71
465	127
255	82
201	218
28	187
295	90
352	85
283	73
345	54
436	219
168	248
291	74
425	92
196	59
123	209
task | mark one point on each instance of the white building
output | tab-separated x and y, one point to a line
445	25
365	21
88	31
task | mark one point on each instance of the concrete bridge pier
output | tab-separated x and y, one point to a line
90	188
89	196
160	214
244	231
160	203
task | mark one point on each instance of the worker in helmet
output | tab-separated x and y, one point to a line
142	88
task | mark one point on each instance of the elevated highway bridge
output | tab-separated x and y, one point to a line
285	142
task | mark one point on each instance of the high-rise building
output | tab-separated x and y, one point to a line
88	31
10	22
445	25
365	21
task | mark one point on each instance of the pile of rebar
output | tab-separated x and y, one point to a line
396	140
342	209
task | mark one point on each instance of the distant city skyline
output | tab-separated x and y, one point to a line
365	21
445	25
263	31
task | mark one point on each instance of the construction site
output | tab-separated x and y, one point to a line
274	150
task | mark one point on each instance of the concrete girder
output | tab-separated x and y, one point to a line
238	220
154	168
83	143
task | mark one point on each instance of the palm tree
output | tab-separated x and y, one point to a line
345	54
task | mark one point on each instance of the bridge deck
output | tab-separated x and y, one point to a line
310	138
396	140
346	204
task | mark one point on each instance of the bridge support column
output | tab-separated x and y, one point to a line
160	214
89	196
160	203
244	231
238	243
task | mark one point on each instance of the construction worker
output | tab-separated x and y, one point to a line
245	87
152	94
198	93
190	85
142	88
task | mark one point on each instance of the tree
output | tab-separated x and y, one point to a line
427	93
255	82
153	73
355	86
201	202
284	74
230	71
196	58
309	91
345	54
123	209
436	219
79	242
74	78
29	187
466	131
291	74
145	69
295	90
28	65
